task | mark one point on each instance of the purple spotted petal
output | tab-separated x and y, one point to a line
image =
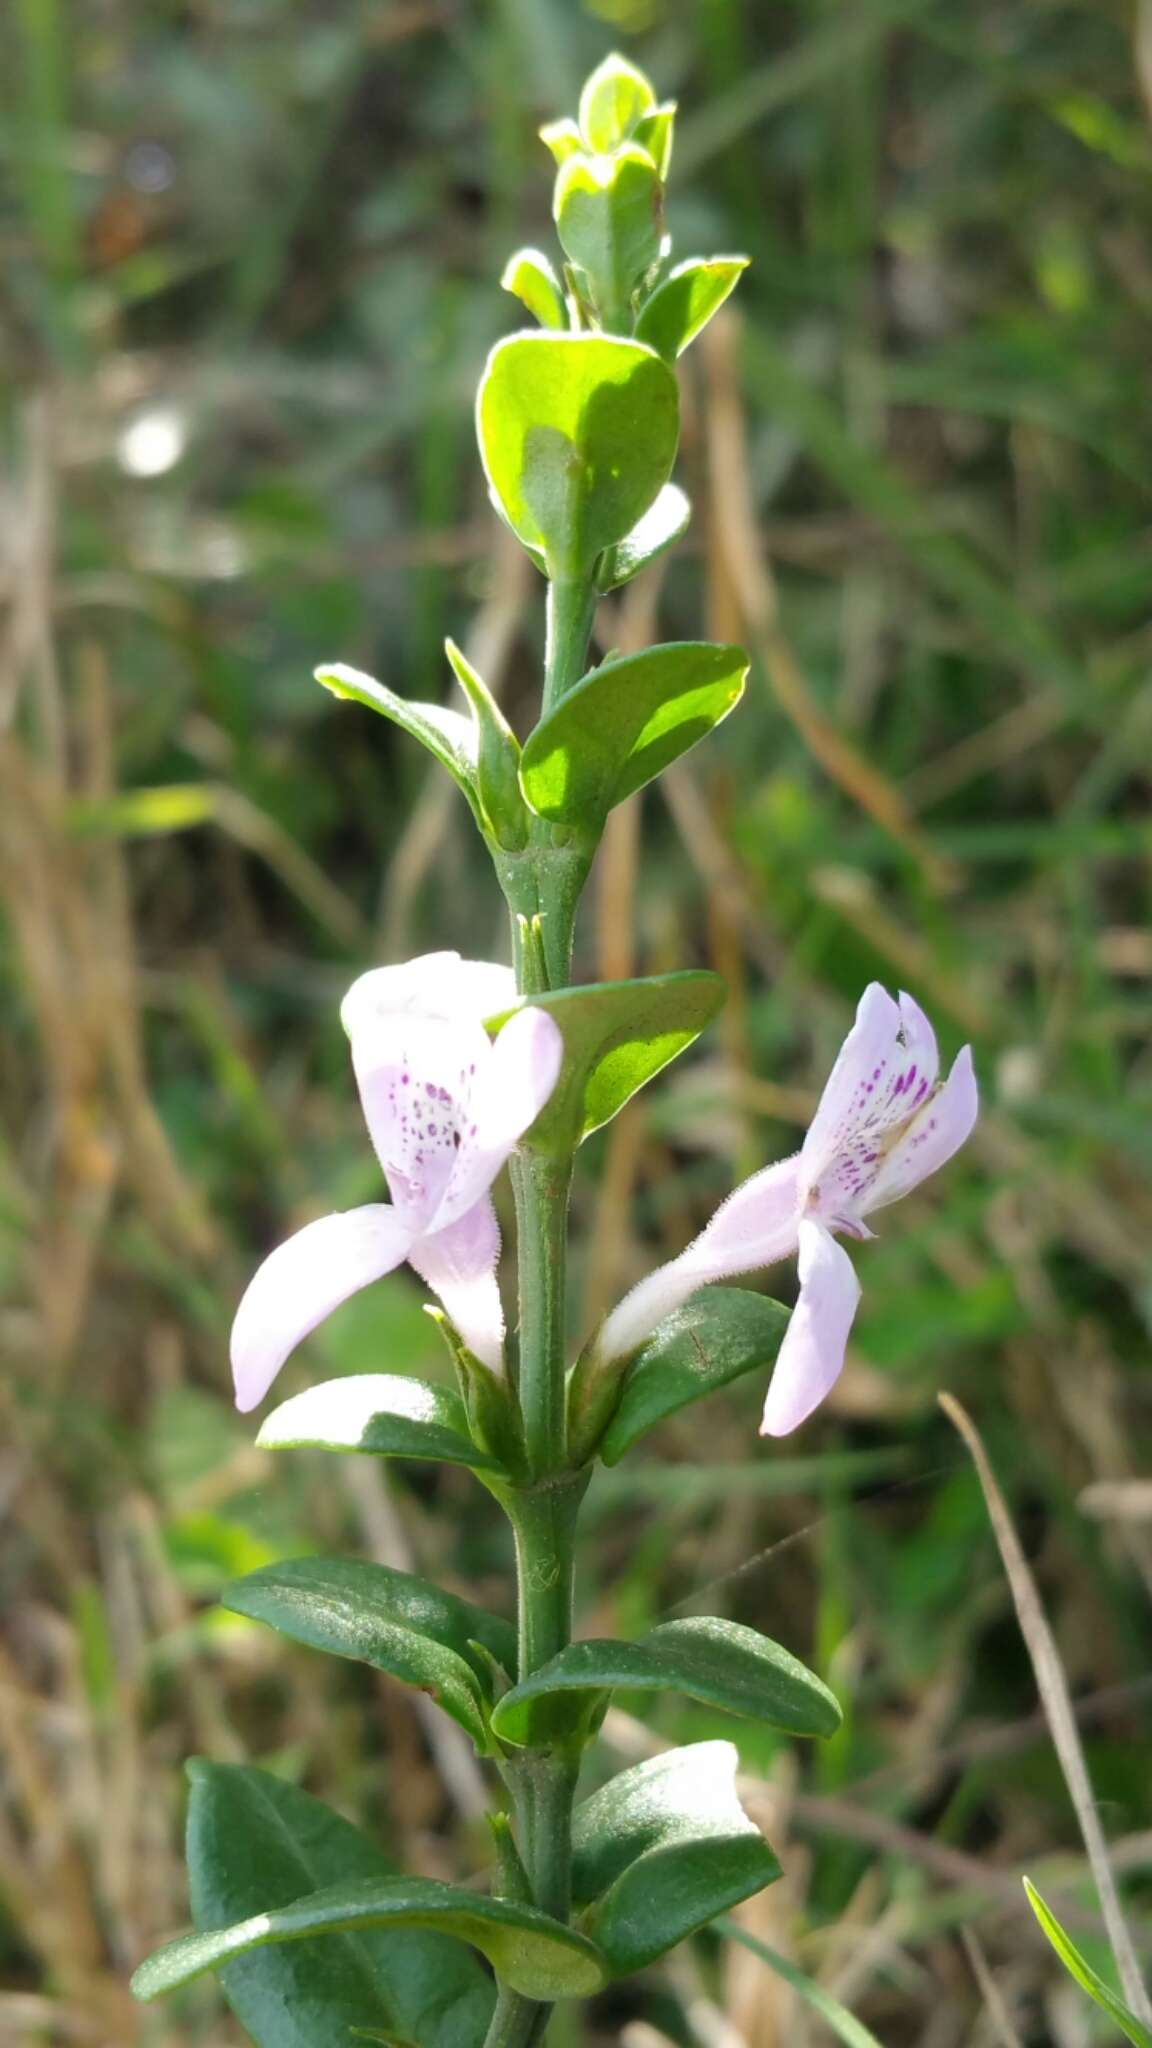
510	1087
435	985
417	1076
920	1048
811	1357
302	1281
865	1057
755	1227
938	1131
459	1264
887	1068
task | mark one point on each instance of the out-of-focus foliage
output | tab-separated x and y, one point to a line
249	267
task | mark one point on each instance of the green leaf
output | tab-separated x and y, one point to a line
503	815
661	1850
1085	1975
382	1412
662	524
850	2030
686	301
529	276
535	1955
609	217
447	735
617	1035
578	434
256	1843
614	98
654	133
623	724
720	1662
563	138
389	1619
717	1336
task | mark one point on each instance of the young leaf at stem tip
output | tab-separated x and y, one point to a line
609	217
614	98
685	301
529	277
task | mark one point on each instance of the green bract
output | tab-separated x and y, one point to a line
256	1843
661	1850
578	434
390	1619
721	1662
617	1034
609	217
686	301
382	1412
623	724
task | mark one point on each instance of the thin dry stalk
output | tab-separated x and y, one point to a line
1056	1700
1003	2027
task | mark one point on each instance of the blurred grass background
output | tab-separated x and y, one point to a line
249	262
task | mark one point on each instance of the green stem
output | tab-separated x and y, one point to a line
571	610
540	1186
517	2022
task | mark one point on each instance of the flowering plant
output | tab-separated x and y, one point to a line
463	1067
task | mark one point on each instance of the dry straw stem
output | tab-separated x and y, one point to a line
1057	1703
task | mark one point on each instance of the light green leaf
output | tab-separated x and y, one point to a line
563	138
389	1619
686	301
255	1843
623	724
501	805
848	2029
609	217
617	1035
578	434
381	1412
719	1335
654	133
662	524
661	1850
447	735
1087	1978
535	1955
614	98
529	276
720	1662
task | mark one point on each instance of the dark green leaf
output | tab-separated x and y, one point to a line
383	1412
578	434
447	735
255	1843
529	276
719	1662
686	301
1079	1968
719	1335
662	1849
609	217
535	1955
662	524
617	1035
623	724
390	1619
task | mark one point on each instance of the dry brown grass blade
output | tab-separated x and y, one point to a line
995	2003
750	577
1056	1700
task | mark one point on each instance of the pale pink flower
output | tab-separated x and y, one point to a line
884	1123
444	1105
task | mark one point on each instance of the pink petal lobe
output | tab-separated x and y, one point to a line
301	1282
435	985
512	1083
459	1264
932	1137
869	1045
811	1357
755	1227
